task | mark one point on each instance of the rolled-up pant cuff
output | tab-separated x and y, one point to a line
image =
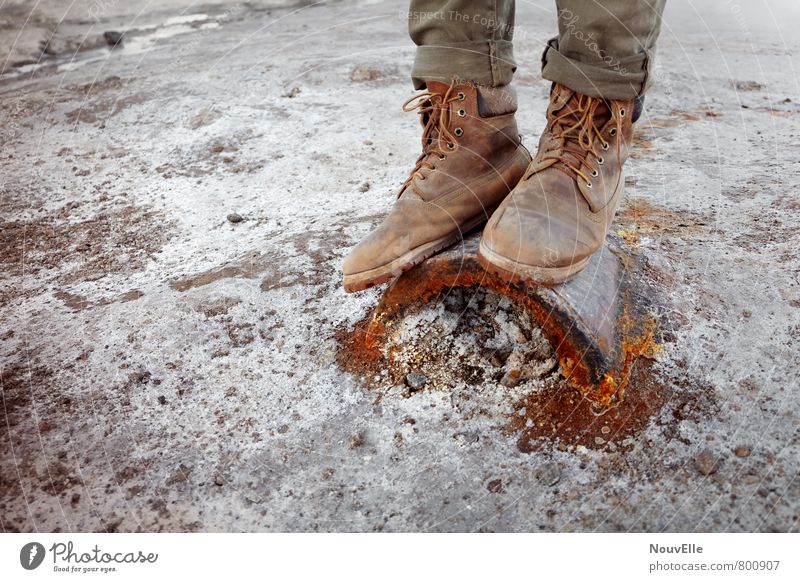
485	62
608	77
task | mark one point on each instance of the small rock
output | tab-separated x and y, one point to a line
162	400
218	480
742	452
204	117
500	356
139	377
511	378
599	441
747	85
113	37
495	486
416	381
548	474
293	92
705	462
234	218
364	187
356	441
360	74
605	430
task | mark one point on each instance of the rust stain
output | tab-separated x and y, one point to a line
561	416
641	217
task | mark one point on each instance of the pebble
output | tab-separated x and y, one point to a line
548	474
416	381
705	462
742	452
113	37
218	481
511	378
234	218
139	377
364	187
365	74
356	441
605	430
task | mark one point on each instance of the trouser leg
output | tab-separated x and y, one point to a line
466	39
604	48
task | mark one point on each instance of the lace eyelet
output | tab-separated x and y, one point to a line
588	184
461	96
605	146
458	131
613	131
595	173
462	112
601	160
433	167
451	146
622	112
442	157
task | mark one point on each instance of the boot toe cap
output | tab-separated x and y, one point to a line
534	238
377	250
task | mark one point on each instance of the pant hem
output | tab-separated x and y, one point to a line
609	78
489	62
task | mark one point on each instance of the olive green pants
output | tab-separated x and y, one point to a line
604	48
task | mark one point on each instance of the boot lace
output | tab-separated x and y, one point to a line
436	135
579	124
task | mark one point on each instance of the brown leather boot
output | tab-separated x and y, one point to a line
559	214
471	159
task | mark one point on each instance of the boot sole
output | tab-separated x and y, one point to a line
378	275
515	272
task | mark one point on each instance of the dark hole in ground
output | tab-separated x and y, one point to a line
491	354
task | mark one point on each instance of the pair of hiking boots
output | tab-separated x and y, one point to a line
546	216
